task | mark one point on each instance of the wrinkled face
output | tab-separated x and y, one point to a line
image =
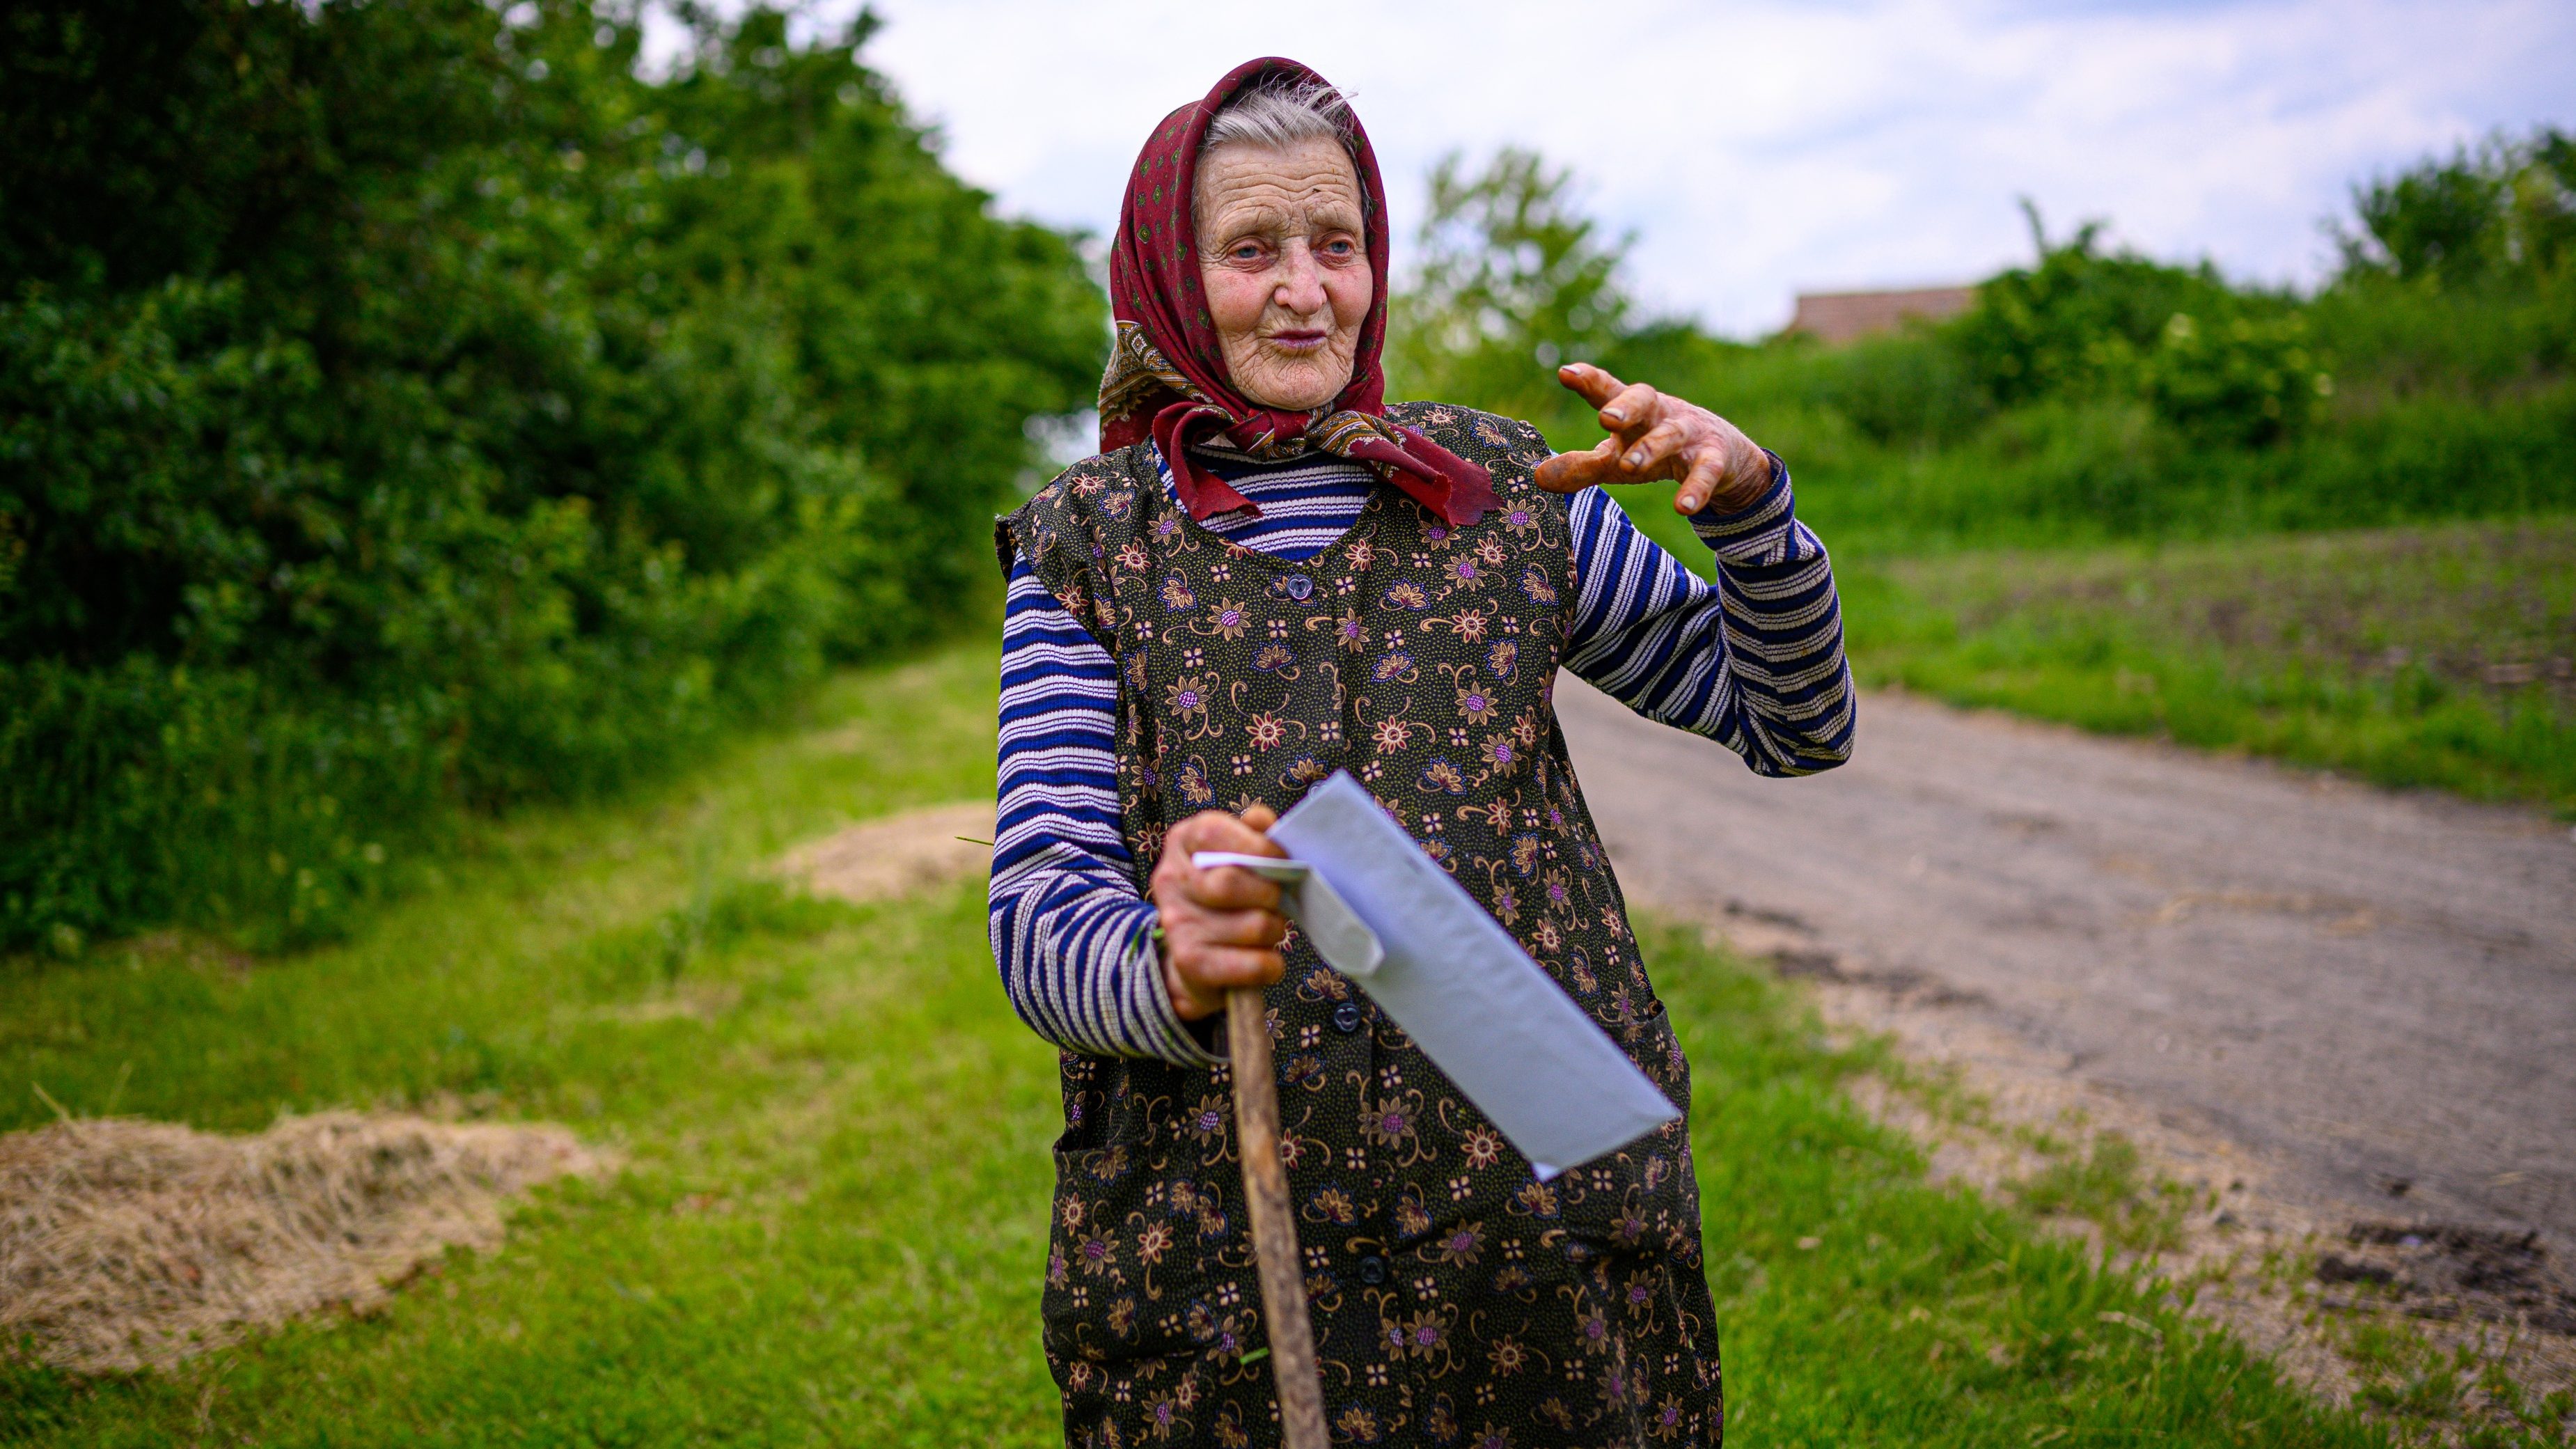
1284	256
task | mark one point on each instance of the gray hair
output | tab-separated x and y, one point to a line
1280	115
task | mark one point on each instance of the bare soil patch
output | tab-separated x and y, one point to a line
2447	1271
897	854
127	1244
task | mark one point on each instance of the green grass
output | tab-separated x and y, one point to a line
2438	657
830	1225
2441	656
2107	1185
1861	1305
478	983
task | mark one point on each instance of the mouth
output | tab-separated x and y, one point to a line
1300	341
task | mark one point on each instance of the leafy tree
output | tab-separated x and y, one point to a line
405	406
1511	279
2442	219
2506	206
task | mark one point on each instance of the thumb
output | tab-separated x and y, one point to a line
1261	817
1574	472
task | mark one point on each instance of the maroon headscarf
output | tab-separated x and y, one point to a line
1167	377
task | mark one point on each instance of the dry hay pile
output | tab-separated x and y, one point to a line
128	1244
898	854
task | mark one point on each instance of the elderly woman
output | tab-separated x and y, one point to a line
1267	575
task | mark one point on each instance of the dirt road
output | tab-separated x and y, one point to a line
2374	993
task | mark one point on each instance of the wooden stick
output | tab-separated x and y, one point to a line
1274	1226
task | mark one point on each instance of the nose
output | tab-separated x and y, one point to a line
1301	281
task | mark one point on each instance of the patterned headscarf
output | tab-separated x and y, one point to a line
1167	376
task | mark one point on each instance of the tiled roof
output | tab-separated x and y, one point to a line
1833	317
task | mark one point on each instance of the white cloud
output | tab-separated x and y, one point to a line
1762	148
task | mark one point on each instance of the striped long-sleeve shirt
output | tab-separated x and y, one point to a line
1754	660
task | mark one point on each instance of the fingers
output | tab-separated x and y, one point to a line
1661	452
1216	830
1706	476
1221	927
1643	442
1223	968
1212	971
1629	409
1574	472
1226	888
1655	454
1198	979
1594	385
1229	888
1258	929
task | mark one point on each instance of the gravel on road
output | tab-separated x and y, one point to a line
2373	992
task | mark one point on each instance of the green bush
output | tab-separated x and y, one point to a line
2245	381
2093	394
2076	324
407	409
1906	391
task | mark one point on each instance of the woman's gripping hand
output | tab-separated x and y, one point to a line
1655	436
1222	927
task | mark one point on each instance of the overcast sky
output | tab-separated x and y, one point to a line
1763	149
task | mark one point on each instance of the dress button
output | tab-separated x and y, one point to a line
1346	1017
1299	586
1372	1270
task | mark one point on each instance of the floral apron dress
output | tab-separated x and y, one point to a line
1456	1299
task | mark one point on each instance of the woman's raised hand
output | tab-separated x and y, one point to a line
1655	436
1221	927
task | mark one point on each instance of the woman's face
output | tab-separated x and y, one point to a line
1283	252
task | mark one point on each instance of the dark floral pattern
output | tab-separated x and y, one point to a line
1456	1298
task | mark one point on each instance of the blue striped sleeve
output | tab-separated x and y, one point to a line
1754	660
1070	932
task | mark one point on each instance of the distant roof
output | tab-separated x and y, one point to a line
1833	317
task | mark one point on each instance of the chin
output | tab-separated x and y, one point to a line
1300	389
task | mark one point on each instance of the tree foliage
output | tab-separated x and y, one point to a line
2508	206
406	406
2093	391
1510	279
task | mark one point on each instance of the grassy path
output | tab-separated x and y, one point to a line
831	1219
2441	655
